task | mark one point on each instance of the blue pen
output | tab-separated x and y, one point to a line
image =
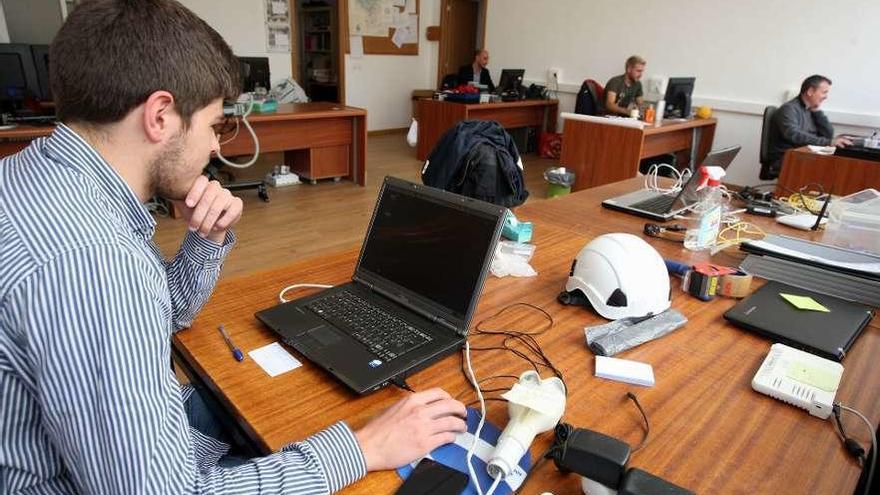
236	352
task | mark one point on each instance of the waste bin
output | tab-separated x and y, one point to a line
559	181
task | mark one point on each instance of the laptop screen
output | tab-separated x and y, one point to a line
431	243
689	195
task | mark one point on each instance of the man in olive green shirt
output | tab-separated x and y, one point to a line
624	92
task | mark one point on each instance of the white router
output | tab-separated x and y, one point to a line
799	378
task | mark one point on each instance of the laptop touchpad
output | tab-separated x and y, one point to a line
324	335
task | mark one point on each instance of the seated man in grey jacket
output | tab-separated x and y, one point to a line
799	122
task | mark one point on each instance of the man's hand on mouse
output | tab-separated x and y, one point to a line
410	429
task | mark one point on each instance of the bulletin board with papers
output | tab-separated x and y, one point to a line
389	27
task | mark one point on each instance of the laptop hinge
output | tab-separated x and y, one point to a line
408	305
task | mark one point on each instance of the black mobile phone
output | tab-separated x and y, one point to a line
431	477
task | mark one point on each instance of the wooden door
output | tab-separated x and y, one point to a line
458	34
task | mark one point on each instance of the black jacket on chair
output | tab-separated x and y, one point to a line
478	159
466	75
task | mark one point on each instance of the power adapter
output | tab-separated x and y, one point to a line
590	454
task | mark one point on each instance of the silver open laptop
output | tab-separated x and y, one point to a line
663	207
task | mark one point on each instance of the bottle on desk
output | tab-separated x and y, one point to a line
649	114
708	211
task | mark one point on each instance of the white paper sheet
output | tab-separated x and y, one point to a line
410	7
279	7
356	46
274	359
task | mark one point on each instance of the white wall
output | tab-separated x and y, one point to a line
4	33
242	24
31	21
744	54
383	84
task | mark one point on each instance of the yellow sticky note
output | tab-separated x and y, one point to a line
804	302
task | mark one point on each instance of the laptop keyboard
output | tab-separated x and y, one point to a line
659	204
382	333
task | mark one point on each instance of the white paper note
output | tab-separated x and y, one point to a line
399	3
274	359
278	7
357	46
399	36
410	7
282	40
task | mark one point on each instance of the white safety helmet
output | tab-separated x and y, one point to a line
621	276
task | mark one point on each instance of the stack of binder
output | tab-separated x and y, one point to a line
843	273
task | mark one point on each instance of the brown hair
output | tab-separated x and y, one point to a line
634	60
110	55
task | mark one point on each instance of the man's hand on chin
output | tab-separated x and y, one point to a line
209	209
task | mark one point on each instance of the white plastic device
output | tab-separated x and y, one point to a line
534	406
799	378
803	221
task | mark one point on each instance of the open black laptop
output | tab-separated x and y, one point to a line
663	207
414	290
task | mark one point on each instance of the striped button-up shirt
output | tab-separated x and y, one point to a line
88	401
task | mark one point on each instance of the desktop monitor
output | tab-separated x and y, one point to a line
511	81
254	72
41	63
18	76
678	96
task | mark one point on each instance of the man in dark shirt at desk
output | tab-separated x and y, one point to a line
799	122
623	92
476	71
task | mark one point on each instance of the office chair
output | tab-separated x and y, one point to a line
450	81
763	156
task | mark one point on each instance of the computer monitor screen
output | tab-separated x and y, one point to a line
41	63
678	96
254	72
18	77
511	80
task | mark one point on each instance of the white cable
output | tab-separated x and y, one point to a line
253	135
652	182
873	443
495	484
476	385
300	286
234	134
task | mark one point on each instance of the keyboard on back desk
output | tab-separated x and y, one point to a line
382	333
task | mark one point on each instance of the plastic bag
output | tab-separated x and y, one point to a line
559	176
512	259
412	137
626	333
288	91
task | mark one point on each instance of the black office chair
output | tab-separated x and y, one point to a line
764	153
450	81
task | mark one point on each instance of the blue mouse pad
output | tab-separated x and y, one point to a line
454	455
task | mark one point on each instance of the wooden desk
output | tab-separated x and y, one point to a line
436	117
601	153
710	432
840	174
319	140
14	140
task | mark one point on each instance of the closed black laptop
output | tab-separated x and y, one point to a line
414	290
830	335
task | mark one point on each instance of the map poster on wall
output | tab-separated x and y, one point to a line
277	25
372	17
